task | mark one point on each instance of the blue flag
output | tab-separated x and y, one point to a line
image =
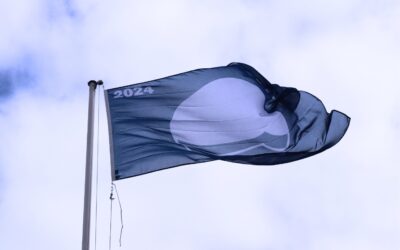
229	113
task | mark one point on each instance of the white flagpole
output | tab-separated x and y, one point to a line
89	160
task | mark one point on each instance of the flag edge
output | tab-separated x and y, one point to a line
110	135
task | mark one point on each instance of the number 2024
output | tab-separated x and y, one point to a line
128	92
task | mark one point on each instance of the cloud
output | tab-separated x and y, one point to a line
345	52
40	185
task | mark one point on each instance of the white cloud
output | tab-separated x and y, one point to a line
345	52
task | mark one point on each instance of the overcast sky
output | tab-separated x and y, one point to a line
346	52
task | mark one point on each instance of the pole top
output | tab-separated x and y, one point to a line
95	83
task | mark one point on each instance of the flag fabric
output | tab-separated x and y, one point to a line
229	113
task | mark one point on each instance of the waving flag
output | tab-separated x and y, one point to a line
229	113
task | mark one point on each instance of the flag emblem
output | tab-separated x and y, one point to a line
229	111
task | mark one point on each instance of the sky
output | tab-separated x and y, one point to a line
344	52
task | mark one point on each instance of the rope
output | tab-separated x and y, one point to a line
97	167
111	200
121	217
113	186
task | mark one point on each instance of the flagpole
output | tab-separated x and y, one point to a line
89	160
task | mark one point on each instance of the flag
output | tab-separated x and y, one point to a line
229	113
